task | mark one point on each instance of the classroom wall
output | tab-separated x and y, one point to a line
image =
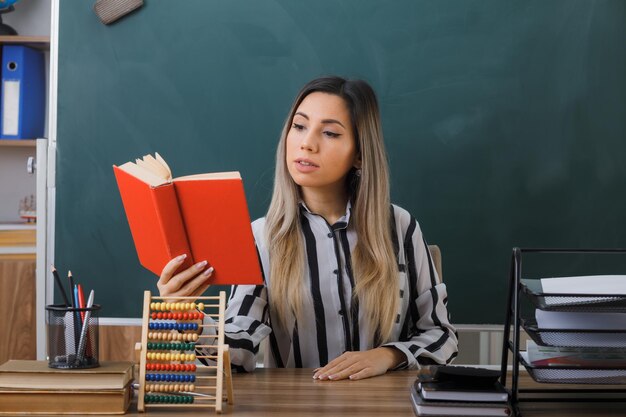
30	18
504	121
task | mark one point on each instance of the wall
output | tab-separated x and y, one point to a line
30	18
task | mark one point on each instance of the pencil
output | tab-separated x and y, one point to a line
71	278
57	280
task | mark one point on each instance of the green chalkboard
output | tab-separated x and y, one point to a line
505	121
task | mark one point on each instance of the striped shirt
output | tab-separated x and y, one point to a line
333	323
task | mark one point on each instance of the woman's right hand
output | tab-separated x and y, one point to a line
192	282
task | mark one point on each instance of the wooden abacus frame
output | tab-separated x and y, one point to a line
222	368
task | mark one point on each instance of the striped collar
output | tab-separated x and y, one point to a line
341	223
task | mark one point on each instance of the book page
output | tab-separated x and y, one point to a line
143	174
232	175
150	163
161	161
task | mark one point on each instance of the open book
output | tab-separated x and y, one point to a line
204	216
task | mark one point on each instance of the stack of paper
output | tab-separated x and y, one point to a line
579	357
602	288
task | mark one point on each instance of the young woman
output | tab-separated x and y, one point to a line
349	284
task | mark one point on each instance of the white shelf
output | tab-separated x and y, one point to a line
18	226
17	250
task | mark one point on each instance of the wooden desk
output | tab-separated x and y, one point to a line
292	392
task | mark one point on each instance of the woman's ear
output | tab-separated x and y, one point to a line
357	162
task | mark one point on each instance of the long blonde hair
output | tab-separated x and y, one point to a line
373	260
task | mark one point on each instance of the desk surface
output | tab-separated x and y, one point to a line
292	392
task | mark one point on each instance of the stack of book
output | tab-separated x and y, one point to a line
460	391
34	388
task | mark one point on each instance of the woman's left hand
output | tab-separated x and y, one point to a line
360	365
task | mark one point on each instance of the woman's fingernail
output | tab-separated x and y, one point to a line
181	257
201	265
208	272
331	376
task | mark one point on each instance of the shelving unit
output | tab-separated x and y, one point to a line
39	42
21	143
37	24
594	384
15	183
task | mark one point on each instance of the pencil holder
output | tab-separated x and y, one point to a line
72	336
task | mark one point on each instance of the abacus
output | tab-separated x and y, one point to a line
168	374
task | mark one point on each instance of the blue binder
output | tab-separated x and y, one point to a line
23	101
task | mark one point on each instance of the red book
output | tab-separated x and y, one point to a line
204	216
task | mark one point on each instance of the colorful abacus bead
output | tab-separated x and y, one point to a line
171	367
170	378
168	399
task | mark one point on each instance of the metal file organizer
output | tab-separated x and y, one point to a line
607	339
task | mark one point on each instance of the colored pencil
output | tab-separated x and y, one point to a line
77	324
81	301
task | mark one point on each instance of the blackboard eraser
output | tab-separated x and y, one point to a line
111	10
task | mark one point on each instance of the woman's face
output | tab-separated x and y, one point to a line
321	148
